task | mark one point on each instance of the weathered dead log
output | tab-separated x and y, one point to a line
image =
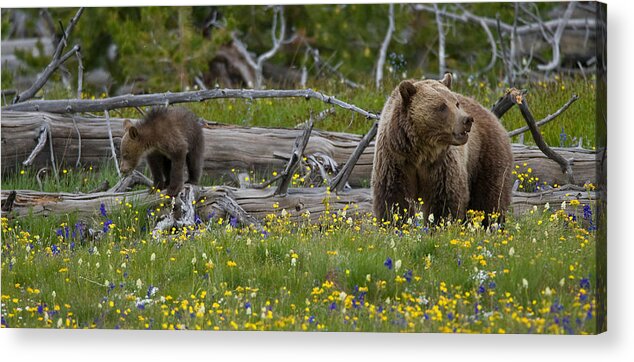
238	148
250	205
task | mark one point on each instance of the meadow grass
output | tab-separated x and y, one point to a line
346	273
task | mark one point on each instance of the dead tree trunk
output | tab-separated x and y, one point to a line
250	205
231	147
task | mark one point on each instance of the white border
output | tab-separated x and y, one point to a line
616	344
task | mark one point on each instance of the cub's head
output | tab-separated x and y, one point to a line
132	147
432	113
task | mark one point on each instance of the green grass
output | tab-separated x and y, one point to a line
340	275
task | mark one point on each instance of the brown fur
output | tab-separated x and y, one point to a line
171	139
422	153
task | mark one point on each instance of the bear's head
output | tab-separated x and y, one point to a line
133	147
431	114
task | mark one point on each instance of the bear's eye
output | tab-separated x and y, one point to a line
442	107
457	104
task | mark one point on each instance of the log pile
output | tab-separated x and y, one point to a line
228	147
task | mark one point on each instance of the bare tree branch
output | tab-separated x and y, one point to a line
554	63
566	165
383	51
80	73
55	61
338	182
296	157
112	148
258	64
442	68
130	100
546	119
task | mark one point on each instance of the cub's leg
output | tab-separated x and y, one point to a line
194	167
155	162
177	179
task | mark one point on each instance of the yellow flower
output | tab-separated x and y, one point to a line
231	264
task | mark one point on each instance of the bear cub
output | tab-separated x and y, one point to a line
171	139
440	152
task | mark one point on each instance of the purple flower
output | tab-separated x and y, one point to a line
587	212
106	225
55	249
247	305
584	283
233	221
333	306
481	289
408	275
311	319
388	263
197	219
102	209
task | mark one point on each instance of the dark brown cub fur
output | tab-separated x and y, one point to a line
170	139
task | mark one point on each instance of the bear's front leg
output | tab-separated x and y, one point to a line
155	162
177	174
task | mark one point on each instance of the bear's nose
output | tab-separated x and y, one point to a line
468	121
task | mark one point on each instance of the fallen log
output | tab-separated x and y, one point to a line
249	205
235	148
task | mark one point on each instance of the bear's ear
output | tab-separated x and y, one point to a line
407	90
446	80
127	124
134	133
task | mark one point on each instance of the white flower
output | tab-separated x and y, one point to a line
54	294
293	262
525	283
139	284
547	206
548	292
204	256
152	257
368	277
511	251
563	205
397	265
431	218
342	295
193	260
562	282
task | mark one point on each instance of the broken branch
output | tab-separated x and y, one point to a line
56	61
130	100
566	165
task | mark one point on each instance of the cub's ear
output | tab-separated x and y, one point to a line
134	133
407	90
446	80
127	124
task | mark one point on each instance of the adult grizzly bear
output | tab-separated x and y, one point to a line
441	148
170	139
